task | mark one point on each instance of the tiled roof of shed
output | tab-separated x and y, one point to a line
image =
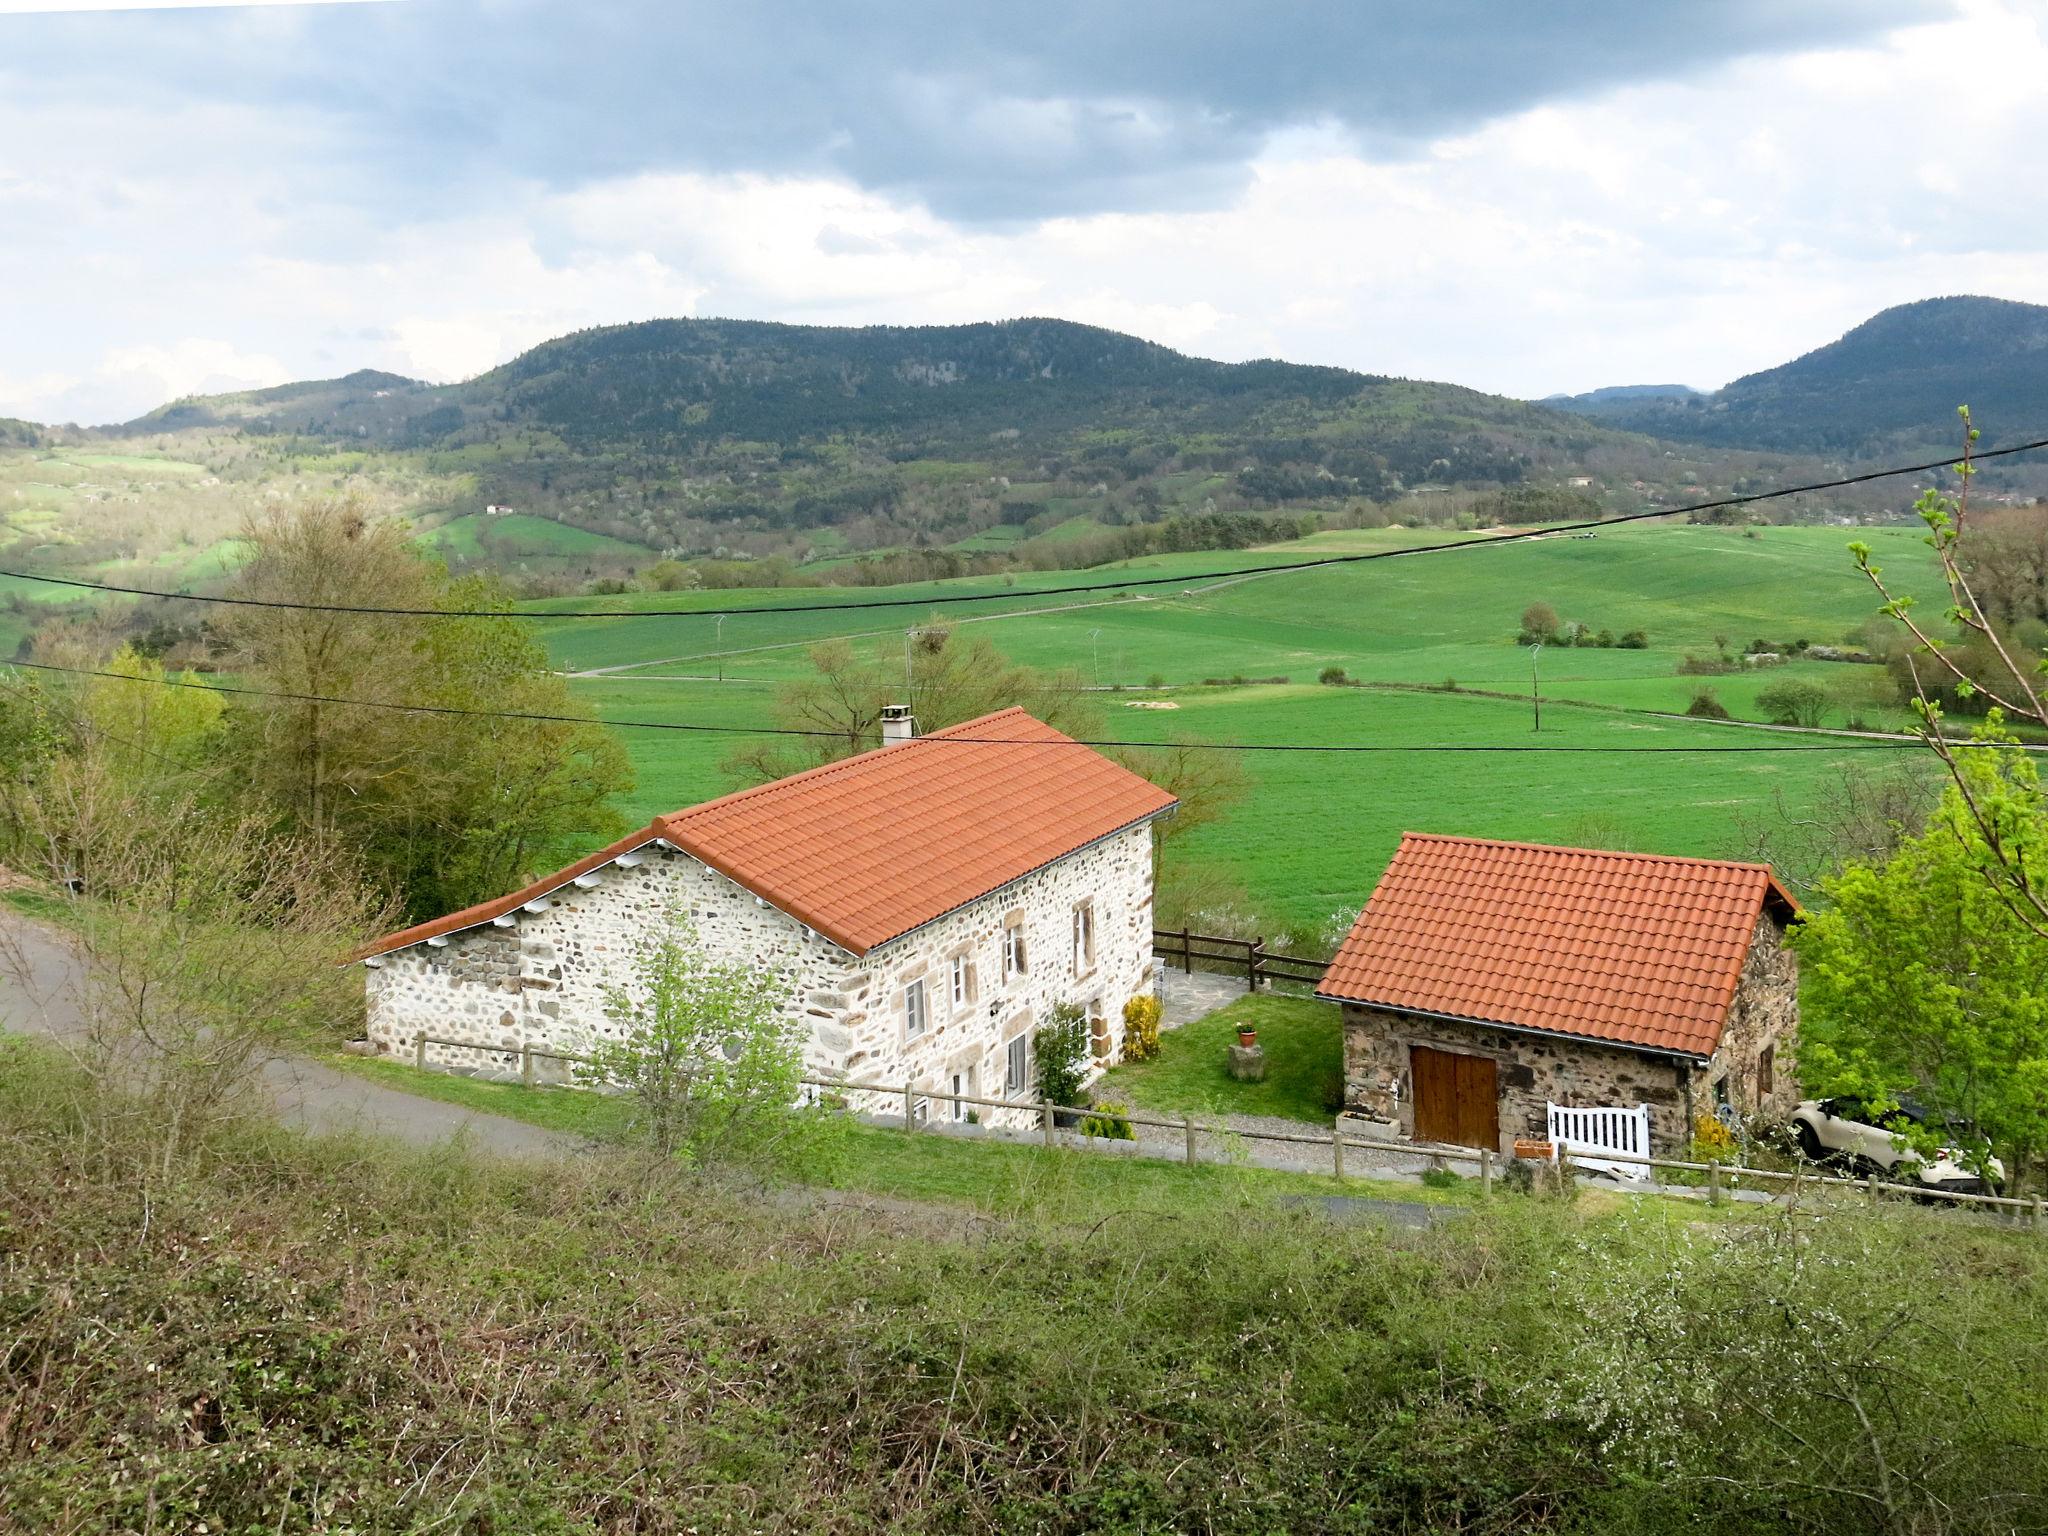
1634	949
865	849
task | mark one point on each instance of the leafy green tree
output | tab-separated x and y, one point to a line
443	802
1794	703
1060	1047
708	1058
1919	979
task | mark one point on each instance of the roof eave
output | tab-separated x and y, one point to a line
1695	1058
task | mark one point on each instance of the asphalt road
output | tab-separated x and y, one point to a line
307	1094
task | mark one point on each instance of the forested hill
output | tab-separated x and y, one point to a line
815	441
994	390
1890	385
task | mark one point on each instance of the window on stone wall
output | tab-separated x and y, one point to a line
921	1112
1084	938
1017	1066
1013	948
916	1016
962	983
1766	1071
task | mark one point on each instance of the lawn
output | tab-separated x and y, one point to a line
1304	1045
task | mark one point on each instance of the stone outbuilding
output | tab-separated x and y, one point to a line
922	907
1487	981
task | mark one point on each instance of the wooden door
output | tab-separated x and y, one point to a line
1455	1098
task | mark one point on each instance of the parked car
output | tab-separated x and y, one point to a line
1846	1130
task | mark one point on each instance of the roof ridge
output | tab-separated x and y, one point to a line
1602	853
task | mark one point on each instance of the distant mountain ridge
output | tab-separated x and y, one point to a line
1891	384
696	433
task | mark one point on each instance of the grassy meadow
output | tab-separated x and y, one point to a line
1310	838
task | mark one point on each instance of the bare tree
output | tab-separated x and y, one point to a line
1859	816
196	944
945	677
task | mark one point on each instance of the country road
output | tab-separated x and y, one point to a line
307	1094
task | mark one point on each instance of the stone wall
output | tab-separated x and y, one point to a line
1531	1072
1534	1071
543	983
1766	1013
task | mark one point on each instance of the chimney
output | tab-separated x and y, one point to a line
898	724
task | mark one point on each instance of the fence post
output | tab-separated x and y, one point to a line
1187	952
2034	1216
1485	1172
526	1063
1045	1118
1337	1152
1254	958
1188	1124
1714	1182
1870	1184
909	1113
419	1049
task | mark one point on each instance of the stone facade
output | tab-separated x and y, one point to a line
542	983
1534	1070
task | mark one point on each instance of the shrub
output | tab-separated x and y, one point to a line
1691	665
1333	677
1539	620
1440	1178
1633	640
1794	703
1706	705
1605	639
1107	1122
1060	1046
1156	680
1141	1027
1712	1141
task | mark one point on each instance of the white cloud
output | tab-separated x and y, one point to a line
1661	232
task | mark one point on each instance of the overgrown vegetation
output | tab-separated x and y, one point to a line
307	1335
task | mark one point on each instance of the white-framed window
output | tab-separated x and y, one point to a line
921	1112
1084	938
961	983
1017	1066
1013	949
916	1012
963	1083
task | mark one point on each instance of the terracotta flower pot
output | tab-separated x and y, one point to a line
1247	1037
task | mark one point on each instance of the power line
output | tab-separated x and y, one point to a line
992	597
1342	748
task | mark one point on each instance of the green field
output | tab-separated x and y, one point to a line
517	537
1311	836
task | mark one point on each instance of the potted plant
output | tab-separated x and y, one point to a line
1247	1035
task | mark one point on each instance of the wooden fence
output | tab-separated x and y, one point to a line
1215	952
1048	1120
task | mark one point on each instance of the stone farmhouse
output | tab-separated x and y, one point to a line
1486	981
923	907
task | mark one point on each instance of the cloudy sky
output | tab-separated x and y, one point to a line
1521	197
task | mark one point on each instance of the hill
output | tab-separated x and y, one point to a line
757	438
1890	385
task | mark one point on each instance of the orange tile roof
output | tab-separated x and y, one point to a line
1635	949
865	849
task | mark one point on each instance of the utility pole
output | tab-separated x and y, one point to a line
1536	685
1095	648
909	683
718	645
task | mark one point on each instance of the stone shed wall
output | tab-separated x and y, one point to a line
1766	1013
1531	1072
543	983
